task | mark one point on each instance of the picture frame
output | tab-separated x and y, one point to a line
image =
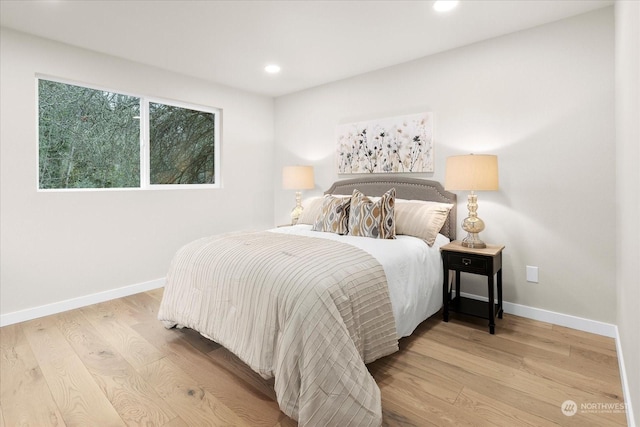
402	144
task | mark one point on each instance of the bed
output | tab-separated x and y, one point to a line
311	307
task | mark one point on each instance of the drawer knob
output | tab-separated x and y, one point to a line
466	261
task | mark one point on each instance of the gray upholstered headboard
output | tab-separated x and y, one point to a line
406	188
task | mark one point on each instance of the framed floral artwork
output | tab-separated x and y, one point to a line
392	145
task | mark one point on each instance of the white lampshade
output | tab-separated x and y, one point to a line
472	172
297	178
475	172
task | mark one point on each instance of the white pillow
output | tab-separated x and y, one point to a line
311	209
421	219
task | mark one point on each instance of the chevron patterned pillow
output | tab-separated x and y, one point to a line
372	219
334	215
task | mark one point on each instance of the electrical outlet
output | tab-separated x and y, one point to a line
532	274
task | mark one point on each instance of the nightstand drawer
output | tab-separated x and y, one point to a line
468	263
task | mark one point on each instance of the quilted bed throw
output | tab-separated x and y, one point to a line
308	311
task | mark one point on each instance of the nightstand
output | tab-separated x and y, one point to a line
487	262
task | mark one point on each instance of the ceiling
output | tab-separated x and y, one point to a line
315	42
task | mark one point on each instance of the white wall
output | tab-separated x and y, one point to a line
628	190
543	101
58	246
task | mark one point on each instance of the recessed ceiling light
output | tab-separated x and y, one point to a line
445	5
272	68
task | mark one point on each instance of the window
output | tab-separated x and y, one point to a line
90	139
87	138
181	145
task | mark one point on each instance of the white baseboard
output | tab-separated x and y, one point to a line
560	319
625	384
567	320
70	304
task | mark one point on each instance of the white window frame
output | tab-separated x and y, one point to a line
145	146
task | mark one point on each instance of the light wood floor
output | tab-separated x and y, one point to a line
114	364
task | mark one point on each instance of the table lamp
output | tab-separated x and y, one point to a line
472	172
297	178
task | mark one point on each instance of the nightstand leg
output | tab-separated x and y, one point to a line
492	322
445	295
457	298
500	310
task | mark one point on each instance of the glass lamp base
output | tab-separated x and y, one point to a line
297	211
473	241
295	214
473	225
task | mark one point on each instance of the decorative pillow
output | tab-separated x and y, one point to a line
311	209
334	215
421	219
372	219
